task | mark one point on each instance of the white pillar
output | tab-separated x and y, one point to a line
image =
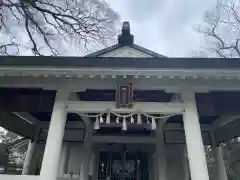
95	173
220	170
63	161
92	164
84	174
53	146
151	167
195	148
155	167
160	153
29	156
185	164
84	170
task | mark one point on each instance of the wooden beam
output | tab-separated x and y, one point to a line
27	117
13	123
76	84
224	120
123	139
179	127
147	107
34	100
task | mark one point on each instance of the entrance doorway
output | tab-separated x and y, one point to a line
122	164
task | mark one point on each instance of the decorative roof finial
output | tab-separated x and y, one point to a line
126	28
126	38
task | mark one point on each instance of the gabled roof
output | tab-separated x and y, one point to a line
134	46
126	40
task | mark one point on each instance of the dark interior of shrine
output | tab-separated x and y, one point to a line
39	103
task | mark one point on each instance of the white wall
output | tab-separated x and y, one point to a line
175	161
75	157
174	155
125	51
174	152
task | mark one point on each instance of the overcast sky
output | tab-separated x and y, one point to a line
164	26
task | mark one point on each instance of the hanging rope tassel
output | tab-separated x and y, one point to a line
139	119
132	120
117	120
124	124
148	122
96	124
108	120
154	126
101	120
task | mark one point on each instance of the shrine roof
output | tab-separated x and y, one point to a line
119	62
118	46
125	54
126	42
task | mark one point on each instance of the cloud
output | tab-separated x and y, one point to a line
143	10
165	26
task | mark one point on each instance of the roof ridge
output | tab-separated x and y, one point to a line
104	50
147	51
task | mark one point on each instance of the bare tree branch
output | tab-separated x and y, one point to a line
89	20
222	29
4	49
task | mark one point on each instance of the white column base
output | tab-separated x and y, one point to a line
195	148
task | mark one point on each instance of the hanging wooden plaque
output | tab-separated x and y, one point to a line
124	96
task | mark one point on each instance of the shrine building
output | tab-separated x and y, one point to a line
122	113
